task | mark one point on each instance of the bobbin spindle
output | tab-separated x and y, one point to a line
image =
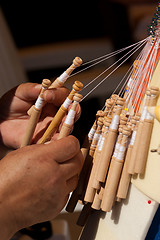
87	152
110	142
146	133
35	114
114	173
125	176
77	86
90	191
64	76
69	121
108	107
136	149
105	129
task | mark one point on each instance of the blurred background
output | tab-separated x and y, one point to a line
48	34
39	39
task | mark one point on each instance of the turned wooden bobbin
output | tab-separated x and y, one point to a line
79	192
136	149
64	76
109	143
89	137
35	112
125	176
98	130
97	157
77	86
108	107
114	97
45	85
146	133
90	191
114	173
131	161
69	121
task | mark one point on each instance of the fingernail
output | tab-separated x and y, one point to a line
38	86
78	109
47	142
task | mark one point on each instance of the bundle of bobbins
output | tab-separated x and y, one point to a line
111	155
110	150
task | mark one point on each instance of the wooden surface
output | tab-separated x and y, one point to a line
128	220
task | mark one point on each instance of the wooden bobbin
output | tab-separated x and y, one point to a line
115	173
35	114
146	133
64	76
125	176
114	97
79	192
108	107
69	121
90	191
45	85
77	86
131	161
136	149
89	137
98	199
118	142
105	129
109	143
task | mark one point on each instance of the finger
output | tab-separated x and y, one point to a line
72	183
28	91
72	167
77	116
56	95
78	112
64	149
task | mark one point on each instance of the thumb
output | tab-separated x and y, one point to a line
63	149
28	91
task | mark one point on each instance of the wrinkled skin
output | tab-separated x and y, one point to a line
37	179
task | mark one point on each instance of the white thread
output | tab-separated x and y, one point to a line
91	133
130	82
109	73
70	117
99	140
121	152
96	136
63	77
67	103
133	137
148	116
115	154
115	122
39	103
100	145
146	73
144	113
105	57
142	57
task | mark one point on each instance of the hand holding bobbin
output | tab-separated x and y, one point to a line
77	86
69	121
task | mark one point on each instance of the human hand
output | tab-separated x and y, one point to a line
35	183
14	106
